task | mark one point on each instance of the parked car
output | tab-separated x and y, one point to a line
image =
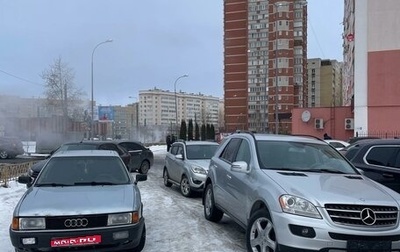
379	159
10	147
84	145
337	144
186	165
356	139
142	158
94	206
297	193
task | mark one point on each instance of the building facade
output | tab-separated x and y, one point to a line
324	83
371	59
265	57
157	107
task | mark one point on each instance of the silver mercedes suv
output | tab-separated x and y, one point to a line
297	193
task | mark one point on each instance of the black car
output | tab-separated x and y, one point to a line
142	158
84	145
10	147
379	159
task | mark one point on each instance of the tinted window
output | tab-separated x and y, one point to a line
230	150
200	151
110	146
131	146
381	155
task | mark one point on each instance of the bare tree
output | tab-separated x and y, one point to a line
61	93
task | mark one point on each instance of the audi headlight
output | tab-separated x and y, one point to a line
28	223
122	218
295	205
198	169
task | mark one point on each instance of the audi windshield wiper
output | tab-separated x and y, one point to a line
93	183
53	184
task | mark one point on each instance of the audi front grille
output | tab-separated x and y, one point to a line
76	222
363	215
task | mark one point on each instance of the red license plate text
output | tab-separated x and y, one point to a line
76	241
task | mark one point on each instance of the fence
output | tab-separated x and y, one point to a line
10	172
380	134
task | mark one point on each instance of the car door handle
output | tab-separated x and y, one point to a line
228	176
387	175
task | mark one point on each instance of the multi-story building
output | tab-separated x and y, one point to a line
157	107
265	61
324	83
371	42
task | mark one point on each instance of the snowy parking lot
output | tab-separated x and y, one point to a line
174	223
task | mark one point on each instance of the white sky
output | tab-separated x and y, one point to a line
154	43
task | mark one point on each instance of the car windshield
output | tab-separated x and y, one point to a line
201	151
298	156
70	171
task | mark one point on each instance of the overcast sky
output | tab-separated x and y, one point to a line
154	42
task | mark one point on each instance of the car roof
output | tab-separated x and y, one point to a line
86	153
286	138
198	142
370	142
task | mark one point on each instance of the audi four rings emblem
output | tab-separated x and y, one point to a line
368	216
72	223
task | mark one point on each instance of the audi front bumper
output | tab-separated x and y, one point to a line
119	238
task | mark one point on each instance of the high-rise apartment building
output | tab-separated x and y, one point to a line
157	107
265	59
371	43
324	83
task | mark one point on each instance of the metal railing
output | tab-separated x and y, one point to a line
10	172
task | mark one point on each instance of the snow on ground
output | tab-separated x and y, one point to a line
174	223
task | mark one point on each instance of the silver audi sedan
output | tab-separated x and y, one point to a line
82	200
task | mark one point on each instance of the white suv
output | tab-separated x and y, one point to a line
297	193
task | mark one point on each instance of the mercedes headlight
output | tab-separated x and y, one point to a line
298	206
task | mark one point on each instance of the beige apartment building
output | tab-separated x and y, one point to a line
161	107
324	83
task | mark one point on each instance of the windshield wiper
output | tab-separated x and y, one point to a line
325	171
93	183
53	184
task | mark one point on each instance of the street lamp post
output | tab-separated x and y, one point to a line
92	101
176	101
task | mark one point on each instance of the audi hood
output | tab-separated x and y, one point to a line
77	200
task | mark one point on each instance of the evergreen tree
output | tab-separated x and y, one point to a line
183	130
196	132
190	130
208	131
203	132
212	132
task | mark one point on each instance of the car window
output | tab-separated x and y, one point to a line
200	151
228	154
131	146
243	153
71	170
397	161
174	149
301	156
109	146
381	155
336	144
